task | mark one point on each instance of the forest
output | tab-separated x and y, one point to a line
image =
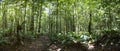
59	25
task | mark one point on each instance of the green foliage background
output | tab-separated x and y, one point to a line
62	19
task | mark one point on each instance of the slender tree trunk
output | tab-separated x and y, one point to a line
18	27
90	23
32	17
73	18
24	26
110	19
4	18
39	28
58	26
66	23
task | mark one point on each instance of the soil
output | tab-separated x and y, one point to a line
43	42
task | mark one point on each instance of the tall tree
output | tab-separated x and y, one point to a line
32	16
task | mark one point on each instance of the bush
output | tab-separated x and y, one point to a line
68	38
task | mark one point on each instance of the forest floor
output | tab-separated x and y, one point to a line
39	44
42	43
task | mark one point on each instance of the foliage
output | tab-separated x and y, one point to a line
64	20
70	37
108	37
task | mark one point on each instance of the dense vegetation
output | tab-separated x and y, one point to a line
64	21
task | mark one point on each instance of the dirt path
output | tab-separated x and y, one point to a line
38	45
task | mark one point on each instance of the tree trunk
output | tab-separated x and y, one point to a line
90	23
40	18
32	18
4	18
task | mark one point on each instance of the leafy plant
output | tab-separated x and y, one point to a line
68	38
